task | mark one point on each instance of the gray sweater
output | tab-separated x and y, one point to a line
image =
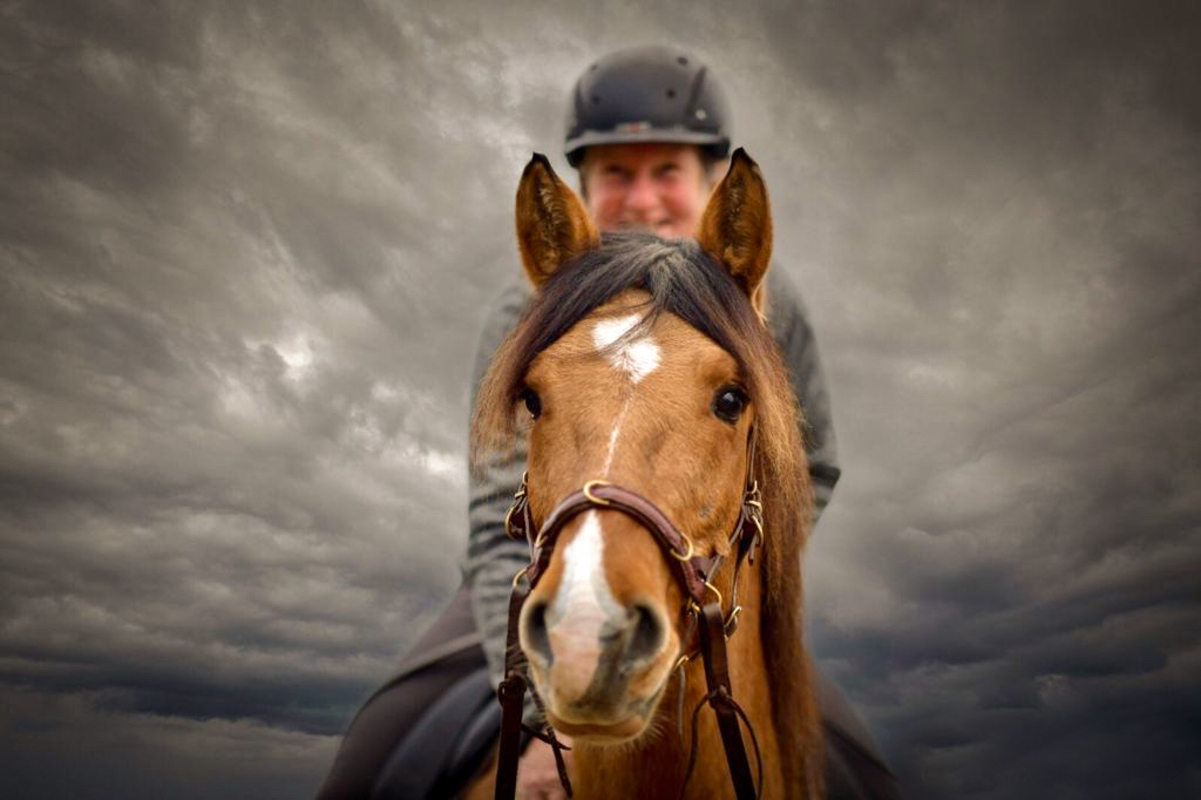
493	559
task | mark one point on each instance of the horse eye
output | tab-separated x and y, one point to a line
729	403
533	403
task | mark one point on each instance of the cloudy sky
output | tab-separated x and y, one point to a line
245	249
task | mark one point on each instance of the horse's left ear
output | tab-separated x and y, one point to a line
736	226
552	224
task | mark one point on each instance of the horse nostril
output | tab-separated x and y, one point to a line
535	633
647	637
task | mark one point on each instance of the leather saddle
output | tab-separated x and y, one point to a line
448	745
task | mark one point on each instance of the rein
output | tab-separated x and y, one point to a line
692	572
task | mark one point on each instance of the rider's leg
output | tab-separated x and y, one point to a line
398	705
855	768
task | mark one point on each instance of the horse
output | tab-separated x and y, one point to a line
643	372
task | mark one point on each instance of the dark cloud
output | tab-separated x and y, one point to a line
61	745
245	251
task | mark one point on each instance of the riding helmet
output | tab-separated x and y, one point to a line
647	94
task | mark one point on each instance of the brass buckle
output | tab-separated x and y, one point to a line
688	555
596	501
519	501
730	622
721	601
757	520
696	609
754	511
510	531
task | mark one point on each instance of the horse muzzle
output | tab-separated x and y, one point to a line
599	667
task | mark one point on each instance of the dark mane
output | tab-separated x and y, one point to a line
682	279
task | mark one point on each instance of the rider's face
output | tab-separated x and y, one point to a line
657	186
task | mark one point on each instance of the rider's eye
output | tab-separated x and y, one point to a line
729	403
533	403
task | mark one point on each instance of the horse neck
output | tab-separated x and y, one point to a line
654	766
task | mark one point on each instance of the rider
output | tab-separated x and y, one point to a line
648	130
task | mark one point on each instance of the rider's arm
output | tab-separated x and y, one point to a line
791	329
492	558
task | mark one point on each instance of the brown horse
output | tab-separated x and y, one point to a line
647	364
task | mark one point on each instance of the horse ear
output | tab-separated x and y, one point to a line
552	224
736	226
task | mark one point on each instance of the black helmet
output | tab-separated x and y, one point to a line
647	94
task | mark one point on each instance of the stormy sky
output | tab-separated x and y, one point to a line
245	250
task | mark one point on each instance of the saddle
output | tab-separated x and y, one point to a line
450	743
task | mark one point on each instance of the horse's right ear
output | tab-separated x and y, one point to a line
552	224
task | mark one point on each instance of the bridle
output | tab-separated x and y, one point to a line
707	618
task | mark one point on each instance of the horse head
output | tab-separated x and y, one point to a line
646	364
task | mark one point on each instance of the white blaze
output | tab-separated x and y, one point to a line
584	601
